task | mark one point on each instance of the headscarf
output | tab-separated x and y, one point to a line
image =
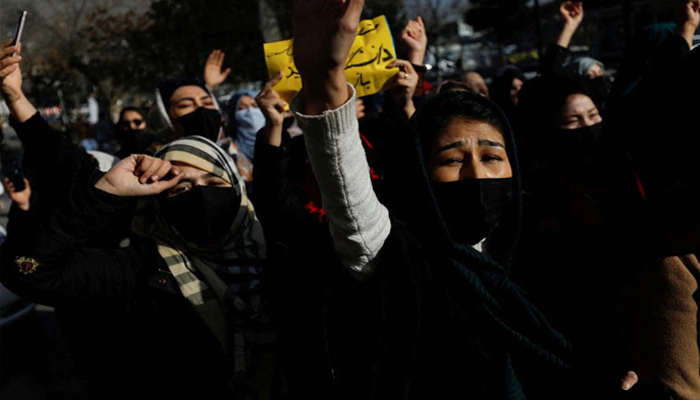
580	66
243	137
222	284
502	84
473	275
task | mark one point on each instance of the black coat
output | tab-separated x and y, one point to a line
120	310
123	304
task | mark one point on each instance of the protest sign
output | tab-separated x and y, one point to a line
365	68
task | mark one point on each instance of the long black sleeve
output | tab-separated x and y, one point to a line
52	162
48	261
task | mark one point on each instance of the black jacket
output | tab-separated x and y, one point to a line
150	336
120	310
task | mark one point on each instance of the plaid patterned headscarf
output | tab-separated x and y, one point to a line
221	283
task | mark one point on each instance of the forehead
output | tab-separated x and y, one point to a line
466	130
578	103
188	91
189	170
132	114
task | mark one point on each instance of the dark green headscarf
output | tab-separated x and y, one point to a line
475	276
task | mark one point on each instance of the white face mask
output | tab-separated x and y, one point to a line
251	119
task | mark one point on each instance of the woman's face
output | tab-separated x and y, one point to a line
468	150
579	111
515	88
186	99
246	103
132	121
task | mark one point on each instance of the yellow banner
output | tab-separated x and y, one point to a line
365	69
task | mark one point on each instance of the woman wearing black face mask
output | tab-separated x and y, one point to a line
580	193
432	313
132	133
185	296
188	107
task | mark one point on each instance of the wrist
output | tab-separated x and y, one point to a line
327	93
408	110
273	135
687	31
570	27
24	206
273	122
416	57
11	96
105	186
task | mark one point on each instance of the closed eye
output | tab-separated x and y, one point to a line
452	161
491	158
179	189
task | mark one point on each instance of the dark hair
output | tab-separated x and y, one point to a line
127	109
453	86
542	101
441	110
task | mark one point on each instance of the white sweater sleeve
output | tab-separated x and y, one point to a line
359	223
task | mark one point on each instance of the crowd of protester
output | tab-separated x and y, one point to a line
527	239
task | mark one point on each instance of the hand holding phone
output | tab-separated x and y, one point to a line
18	31
13	172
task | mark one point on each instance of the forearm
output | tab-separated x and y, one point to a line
687	32
566	34
20	108
53	161
407	112
416	56
359	223
50	266
272	133
87	210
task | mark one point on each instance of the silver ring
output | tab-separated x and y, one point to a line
405	75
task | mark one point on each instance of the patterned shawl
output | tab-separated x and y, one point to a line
221	282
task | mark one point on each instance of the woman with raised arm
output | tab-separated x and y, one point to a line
432	313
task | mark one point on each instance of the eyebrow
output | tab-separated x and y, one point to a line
205	97
460	143
206	176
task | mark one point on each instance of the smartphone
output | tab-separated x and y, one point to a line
20	28
13	172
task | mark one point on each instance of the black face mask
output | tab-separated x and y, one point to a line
472	208
201	122
135	141
203	215
580	143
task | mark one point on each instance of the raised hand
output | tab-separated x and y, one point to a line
405	83
274	110
21	198
416	39
11	82
270	103
688	19
10	73
324	31
572	14
214	75
139	175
